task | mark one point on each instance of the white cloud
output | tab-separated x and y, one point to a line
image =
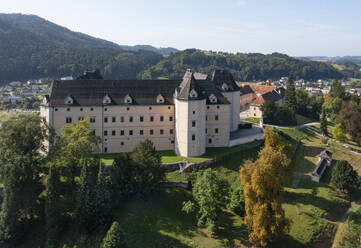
241	3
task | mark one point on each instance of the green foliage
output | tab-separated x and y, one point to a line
102	202
244	67
307	105
209	195
351	238
332	105
147	161
277	115
21	138
290	96
53	209
337	90
344	177
236	201
114	237
350	118
339	133
323	123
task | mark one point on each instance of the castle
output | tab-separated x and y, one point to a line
183	115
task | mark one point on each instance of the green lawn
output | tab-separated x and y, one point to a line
170	156
253	119
303	119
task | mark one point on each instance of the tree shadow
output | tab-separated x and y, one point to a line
227	229
286	241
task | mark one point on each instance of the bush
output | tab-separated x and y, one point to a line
236	201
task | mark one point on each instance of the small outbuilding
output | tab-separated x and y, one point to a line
324	160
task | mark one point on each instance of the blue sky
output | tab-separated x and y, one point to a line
294	27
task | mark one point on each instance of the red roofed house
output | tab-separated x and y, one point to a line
253	97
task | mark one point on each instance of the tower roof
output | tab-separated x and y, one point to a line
224	81
189	88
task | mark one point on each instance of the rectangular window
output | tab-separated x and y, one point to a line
69	120
193	137
210	141
113	132
216	130
80	118
122	143
216	117
131	119
130	132
122	132
114	119
151	131
161	118
152	118
172	141
171	131
122	119
92	119
105	119
105	132
193	123
93	132
141	132
170	118
141	119
105	149
206	130
161	131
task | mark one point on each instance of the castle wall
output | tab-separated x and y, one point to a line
235	99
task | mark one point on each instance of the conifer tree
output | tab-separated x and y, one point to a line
323	123
263	185
102	201
290	96
114	237
53	210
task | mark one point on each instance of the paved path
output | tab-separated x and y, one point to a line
296	127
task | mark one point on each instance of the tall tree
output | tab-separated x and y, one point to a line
21	140
350	117
114	237
263	182
53	209
209	194
147	160
337	90
102	203
290	97
344	177
323	123
339	132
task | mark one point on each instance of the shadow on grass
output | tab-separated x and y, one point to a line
286	241
230	231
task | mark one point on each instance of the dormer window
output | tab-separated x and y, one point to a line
106	99
193	94
225	87
160	99
128	99
213	98
69	100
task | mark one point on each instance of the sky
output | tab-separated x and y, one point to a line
293	27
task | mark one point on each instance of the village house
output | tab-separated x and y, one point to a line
183	115
253	97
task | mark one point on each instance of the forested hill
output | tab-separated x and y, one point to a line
244	67
31	48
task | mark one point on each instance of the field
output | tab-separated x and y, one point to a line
253	119
303	120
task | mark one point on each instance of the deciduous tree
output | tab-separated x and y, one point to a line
114	237
263	182
339	132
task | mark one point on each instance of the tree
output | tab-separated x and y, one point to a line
277	115
323	123
344	177
269	112
337	90
72	149
209	194
102	203
350	118
332	105
290	96
114	237
339	133
53	210
263	182
236	201
147	161
21	139
86	199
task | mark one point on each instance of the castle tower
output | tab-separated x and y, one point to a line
190	116
224	81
